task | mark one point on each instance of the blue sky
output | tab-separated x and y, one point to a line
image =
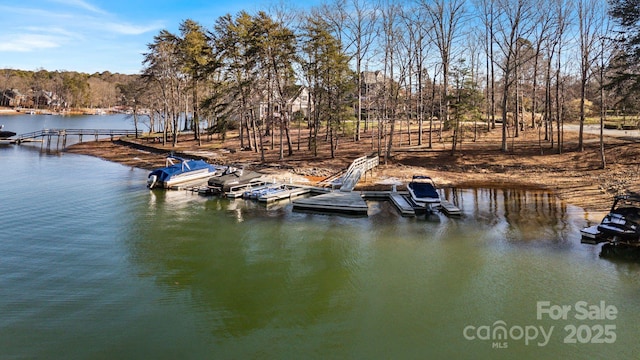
94	36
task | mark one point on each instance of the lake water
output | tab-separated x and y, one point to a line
95	266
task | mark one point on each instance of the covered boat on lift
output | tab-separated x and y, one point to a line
5	134
423	191
233	179
178	171
622	223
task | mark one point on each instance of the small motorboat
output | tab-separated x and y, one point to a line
5	134
233	179
178	171
622	223
423	191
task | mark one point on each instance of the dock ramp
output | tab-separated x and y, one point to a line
348	181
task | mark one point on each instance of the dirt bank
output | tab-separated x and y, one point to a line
576	177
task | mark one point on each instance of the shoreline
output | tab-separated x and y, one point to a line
26	111
572	176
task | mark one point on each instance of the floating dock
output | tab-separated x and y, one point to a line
403	205
239	190
287	192
398	199
343	202
352	203
449	209
591	235
355	203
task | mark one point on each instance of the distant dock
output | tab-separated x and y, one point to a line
46	136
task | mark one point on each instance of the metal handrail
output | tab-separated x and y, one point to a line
358	167
62	132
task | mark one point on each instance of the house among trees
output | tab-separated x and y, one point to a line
43	98
56	90
36	99
372	82
11	98
372	86
298	104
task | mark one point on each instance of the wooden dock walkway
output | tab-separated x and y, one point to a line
359	167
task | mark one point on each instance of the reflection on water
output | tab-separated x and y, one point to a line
250	265
518	215
357	286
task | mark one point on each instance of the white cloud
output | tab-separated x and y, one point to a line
52	30
29	42
71	34
82	5
129	29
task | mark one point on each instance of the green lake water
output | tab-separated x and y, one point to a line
95	266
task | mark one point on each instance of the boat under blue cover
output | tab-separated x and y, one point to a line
423	191
179	170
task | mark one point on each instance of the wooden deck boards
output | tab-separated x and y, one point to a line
405	208
449	209
337	201
291	192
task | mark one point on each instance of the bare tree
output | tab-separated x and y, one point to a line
562	11
541	34
162	67
446	16
390	35
605	55
358	29
488	17
591	21
516	21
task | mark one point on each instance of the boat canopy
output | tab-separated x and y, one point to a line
423	187
422	177
425	192
182	166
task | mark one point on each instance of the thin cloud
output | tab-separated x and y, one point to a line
129	29
52	30
29	42
82	5
33	12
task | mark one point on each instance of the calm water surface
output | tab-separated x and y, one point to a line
94	265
